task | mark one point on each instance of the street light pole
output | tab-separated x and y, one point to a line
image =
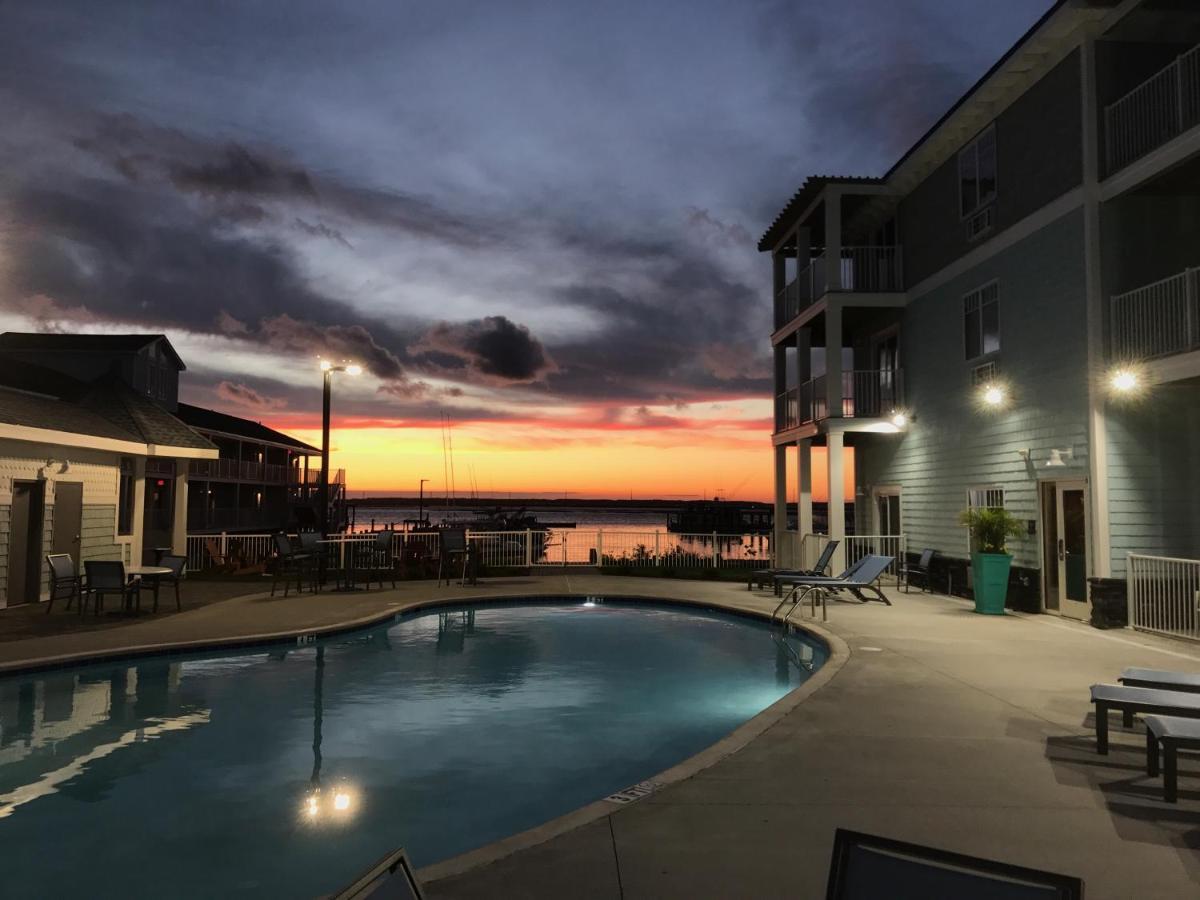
327	369
421	503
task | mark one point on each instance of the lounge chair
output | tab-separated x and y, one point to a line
1162	679
1132	700
1172	732
855	580
920	568
762	577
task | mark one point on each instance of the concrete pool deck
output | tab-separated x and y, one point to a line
965	732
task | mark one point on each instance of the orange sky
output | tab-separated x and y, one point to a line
536	458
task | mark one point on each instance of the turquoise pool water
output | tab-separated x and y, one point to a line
283	771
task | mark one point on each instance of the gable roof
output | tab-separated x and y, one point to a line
802	199
85	343
211	420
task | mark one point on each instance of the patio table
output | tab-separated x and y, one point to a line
345	583
138	573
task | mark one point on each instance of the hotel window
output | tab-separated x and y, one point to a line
985	498
125	497
977	173
981	321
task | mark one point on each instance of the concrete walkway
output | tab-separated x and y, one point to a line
965	732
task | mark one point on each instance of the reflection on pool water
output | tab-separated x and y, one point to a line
284	771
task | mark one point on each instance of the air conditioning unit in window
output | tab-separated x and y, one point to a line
981	223
984	374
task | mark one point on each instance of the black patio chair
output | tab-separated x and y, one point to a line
290	561
64	581
105	577
375	558
920	568
178	566
453	546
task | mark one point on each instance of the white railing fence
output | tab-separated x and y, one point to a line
1157	110
1164	595
855	547
872	270
519	549
1157	319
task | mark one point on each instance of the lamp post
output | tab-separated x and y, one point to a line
327	370
421	504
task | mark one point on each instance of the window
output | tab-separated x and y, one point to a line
977	173
985	498
125	497
981	321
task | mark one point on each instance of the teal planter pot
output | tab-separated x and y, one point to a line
989	572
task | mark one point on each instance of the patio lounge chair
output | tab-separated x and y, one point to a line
1138	700
1172	732
763	577
1161	678
858	579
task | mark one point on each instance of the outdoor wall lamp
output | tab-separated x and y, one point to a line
901	418
1126	381
994	395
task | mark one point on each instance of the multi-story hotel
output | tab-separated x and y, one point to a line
1010	315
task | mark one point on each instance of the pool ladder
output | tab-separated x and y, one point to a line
796	596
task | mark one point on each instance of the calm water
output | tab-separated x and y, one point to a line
284	772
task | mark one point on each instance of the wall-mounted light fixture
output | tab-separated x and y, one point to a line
901	418
993	395
1126	381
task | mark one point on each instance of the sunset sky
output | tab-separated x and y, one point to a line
535	221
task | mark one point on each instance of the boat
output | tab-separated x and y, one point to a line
721	517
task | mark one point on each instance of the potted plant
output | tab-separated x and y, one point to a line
990	560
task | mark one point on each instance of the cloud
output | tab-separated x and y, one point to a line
335	342
239	171
493	349
246	396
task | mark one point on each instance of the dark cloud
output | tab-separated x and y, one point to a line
494	349
238	171
247	397
352	343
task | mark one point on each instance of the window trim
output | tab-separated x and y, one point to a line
972	146
984	355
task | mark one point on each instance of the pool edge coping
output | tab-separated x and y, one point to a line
736	740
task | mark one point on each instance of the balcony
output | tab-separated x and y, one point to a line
243	470
864	270
866	394
1158	110
1157	320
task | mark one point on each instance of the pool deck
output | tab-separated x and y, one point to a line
942	727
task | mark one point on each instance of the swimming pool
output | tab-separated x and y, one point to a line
285	770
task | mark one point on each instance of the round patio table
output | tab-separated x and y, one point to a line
345	582
137	573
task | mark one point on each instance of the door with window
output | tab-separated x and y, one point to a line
1065	547
887	511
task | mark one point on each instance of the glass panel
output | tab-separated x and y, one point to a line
1074	538
987	166
894	515
968	179
991	327
972	334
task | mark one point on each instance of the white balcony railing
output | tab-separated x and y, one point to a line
1160	108
787	409
1158	319
1164	595
868	270
855	547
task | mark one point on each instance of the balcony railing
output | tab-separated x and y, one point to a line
867	270
866	394
1159	319
244	470
1162	107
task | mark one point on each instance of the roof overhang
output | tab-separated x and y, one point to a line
31	435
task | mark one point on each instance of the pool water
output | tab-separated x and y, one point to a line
284	771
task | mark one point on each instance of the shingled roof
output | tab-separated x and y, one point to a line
84	343
211	420
801	200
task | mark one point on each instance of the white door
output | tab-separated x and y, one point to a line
1071	548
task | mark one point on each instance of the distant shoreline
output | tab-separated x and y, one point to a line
438	502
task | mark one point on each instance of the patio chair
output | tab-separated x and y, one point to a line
106	576
64	582
290	561
1130	700
857	580
178	566
218	559
453	545
376	558
762	577
919	568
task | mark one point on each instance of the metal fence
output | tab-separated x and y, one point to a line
1164	595
520	549
1157	110
855	547
1158	319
